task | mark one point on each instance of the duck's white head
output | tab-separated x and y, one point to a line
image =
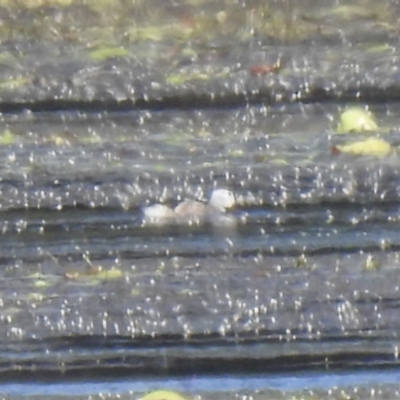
221	199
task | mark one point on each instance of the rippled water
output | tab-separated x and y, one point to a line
307	278
108	111
220	386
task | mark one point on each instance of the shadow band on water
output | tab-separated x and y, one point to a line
96	359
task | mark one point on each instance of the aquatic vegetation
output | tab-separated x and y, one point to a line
7	58
95	274
371	263
36	297
356	119
180	78
236	153
369	147
261	158
378	48
138	21
163	395
36	3
103	53
14	83
7	137
109	274
275	276
189	76
352	11
40	280
302	262
65	138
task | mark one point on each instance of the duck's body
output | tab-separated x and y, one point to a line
158	212
190	208
220	201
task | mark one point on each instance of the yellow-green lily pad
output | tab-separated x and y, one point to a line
163	395
7	137
356	119
369	147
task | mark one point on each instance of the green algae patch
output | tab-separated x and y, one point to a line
109	275
371	263
95	274
40	280
355	120
370	147
36	3
163	395
160	167
263	158
6	58
14	83
7	137
36	297
178	139
180	79
378	48
104	53
236	153
65	138
353	11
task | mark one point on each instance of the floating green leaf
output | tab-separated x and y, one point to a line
356	119
7	137
95	274
369	147
163	395
179	79
103	53
378	48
